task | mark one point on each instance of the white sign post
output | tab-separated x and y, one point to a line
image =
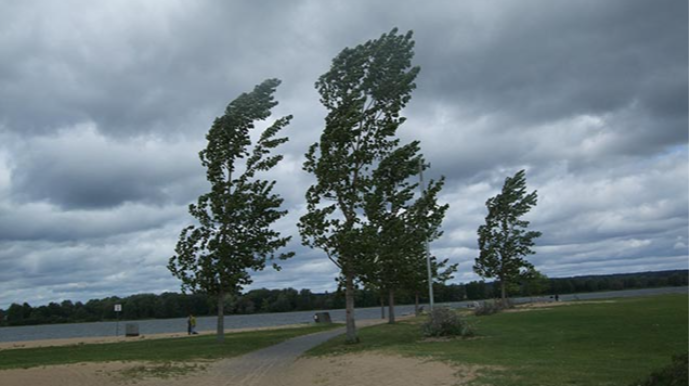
118	309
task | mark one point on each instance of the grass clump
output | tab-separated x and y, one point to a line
165	370
445	322
675	374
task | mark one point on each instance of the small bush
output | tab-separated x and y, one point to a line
446	322
491	307
675	374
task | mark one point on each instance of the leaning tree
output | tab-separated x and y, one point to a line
364	92
504	239
400	222
233	233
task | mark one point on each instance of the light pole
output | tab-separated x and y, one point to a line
426	241
118	308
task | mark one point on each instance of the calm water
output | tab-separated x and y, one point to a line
158	326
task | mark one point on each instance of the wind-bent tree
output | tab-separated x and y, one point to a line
400	224
233	234
364	92
441	272
504	240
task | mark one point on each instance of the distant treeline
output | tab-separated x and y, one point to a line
174	305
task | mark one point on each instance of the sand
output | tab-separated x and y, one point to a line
353	369
547	305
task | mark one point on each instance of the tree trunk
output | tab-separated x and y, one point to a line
383	306
391	306
350	308
503	293
220	328
416	304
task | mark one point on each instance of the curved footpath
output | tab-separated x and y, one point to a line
278	365
265	366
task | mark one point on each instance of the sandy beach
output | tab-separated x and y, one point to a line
361	369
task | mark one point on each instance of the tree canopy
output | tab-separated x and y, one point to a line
364	92
504	239
233	234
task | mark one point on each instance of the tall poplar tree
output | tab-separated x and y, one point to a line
504	239
364	92
233	233
400	223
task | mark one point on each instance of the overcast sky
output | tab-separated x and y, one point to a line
104	107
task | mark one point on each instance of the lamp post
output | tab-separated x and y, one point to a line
426	241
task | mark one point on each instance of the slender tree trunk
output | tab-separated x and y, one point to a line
416	304
220	328
383	306
503	293
391	306
350	308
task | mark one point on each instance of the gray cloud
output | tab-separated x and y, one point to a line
103	111
80	168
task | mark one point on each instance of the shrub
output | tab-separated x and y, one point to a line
446	322
491	307
675	374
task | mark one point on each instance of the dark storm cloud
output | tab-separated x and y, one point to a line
539	61
44	222
80	168
133	67
103	112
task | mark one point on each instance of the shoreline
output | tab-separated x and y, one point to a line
4	346
119	339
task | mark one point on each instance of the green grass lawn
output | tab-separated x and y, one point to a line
593	343
158	350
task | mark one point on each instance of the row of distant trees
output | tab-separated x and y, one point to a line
175	305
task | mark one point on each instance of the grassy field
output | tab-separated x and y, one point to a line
591	343
158	350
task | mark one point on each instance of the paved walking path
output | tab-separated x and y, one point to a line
264	367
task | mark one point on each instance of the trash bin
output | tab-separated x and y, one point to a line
131	329
322	317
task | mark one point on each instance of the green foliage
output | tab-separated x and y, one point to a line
504	239
675	374
534	283
364	92
443	321
400	224
233	234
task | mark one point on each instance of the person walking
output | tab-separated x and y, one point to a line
191	324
